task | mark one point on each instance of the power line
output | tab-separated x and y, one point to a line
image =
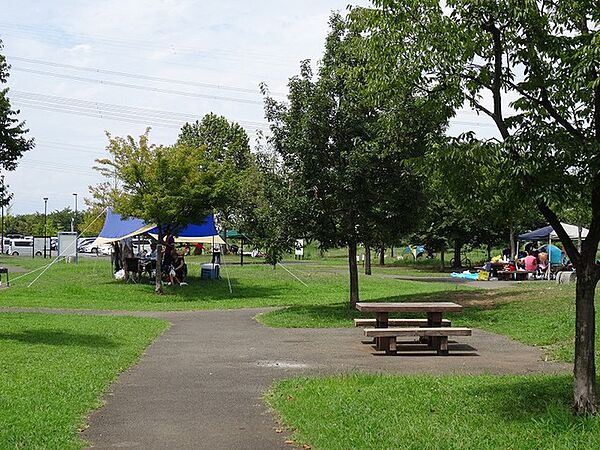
139	76
204	67
110	107
139	87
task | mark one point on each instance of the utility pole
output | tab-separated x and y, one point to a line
45	224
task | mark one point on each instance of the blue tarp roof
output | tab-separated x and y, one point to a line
116	227
206	228
540	234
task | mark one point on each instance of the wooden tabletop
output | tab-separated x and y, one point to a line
409	307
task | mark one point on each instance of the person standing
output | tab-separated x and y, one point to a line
216	254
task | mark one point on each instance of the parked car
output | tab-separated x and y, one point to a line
22	247
105	249
7	243
83	245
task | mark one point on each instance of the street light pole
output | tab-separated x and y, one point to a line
75	228
45	224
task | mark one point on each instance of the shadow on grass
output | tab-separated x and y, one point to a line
526	398
200	290
477	305
60	338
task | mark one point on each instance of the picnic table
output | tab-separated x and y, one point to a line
434	311
515	275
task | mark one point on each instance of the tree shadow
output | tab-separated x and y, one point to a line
202	290
475	302
60	338
525	398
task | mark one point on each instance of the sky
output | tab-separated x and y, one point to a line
84	68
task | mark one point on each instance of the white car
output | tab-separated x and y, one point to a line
105	249
83	244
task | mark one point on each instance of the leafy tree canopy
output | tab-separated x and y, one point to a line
223	140
13	142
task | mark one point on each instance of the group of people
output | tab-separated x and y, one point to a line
173	263
536	261
532	259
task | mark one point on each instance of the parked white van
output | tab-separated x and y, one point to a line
21	247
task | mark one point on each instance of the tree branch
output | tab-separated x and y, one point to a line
545	103
552	218
491	28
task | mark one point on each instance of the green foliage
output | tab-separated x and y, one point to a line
13	142
540	57
267	209
55	369
347	151
33	224
224	141
433	412
167	186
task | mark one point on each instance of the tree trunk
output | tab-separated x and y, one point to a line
442	261
159	257
457	254
584	389
367	259
242	253
382	256
392	251
353	274
513	247
489	251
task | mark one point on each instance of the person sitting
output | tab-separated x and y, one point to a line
152	254
530	262
178	271
542	262
148	262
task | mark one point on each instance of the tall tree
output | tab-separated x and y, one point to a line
268	206
167	186
347	149
224	140
542	57
13	142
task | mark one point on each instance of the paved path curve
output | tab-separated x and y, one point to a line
200	385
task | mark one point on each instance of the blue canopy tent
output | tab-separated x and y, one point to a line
548	234
117	228
541	234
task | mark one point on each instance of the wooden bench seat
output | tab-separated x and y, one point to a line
438	335
518	275
398	322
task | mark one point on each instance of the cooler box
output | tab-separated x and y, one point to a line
210	271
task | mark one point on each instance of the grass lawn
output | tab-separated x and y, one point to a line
89	285
426	412
54	370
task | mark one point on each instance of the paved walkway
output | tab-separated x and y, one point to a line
200	385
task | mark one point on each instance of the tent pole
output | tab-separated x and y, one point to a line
549	270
